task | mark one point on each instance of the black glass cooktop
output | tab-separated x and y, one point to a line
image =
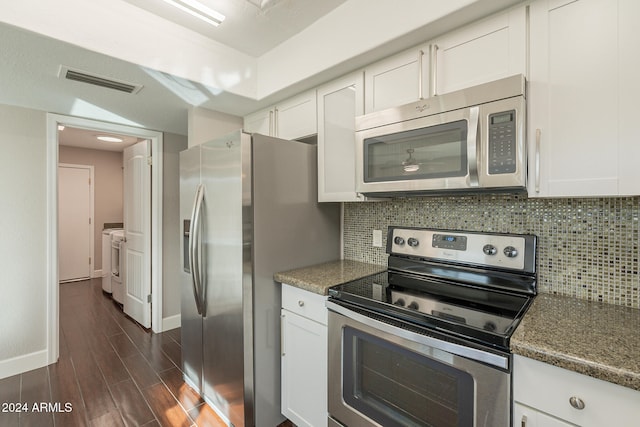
488	316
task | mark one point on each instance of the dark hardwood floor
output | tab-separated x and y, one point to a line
111	372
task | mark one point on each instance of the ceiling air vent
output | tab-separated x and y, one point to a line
96	80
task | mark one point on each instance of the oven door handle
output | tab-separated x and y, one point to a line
457	349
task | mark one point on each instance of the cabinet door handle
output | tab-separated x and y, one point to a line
271	122
537	171
434	70
300	303
577	403
420	82
282	334
275	123
523	422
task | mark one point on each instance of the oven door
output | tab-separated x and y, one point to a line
383	375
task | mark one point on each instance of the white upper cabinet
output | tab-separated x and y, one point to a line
397	80
583	92
296	117
629	108
481	52
293	118
339	102
260	122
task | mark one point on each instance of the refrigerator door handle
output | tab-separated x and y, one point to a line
194	244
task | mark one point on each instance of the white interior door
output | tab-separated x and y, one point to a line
75	226
137	227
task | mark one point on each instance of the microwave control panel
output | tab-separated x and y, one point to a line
502	143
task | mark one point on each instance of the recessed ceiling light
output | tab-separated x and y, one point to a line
109	138
198	10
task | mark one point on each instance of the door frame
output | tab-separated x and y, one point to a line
53	305
90	168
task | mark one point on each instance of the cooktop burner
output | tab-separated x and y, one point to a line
445	286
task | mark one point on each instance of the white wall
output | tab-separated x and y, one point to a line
205	125
23	262
354	29
172	145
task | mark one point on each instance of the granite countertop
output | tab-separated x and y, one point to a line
595	339
591	338
319	278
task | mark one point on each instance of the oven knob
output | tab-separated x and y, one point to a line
398	240
399	302
413	242
489	250
510	252
413	306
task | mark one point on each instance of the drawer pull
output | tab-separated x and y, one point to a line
301	303
576	402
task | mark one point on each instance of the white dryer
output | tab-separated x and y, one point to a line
106	258
117	273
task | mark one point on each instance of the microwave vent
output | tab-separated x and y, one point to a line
97	80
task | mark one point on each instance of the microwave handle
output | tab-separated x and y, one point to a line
472	145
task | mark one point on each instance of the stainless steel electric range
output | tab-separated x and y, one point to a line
426	343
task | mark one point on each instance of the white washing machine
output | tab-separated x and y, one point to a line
106	258
117	254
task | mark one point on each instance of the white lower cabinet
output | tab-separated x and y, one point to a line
524	416
549	396
304	357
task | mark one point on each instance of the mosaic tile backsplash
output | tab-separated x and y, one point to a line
587	248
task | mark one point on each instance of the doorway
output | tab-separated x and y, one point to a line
75	229
53	273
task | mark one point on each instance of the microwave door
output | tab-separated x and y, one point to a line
437	152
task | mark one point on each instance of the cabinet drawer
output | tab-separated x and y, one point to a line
304	303
549	389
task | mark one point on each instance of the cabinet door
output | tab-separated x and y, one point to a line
296	117
397	80
524	416
550	389
482	52
573	94
629	69
339	102
304	370
260	122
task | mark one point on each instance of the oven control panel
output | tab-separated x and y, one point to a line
501	250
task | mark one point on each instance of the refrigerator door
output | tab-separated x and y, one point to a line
226	172
191	329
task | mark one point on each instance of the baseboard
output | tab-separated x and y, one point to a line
171	322
97	273
20	364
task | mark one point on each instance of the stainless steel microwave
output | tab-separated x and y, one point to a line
464	141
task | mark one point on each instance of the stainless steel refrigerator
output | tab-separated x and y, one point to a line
248	206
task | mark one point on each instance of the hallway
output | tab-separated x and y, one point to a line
111	372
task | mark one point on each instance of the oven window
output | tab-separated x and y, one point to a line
398	387
433	152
